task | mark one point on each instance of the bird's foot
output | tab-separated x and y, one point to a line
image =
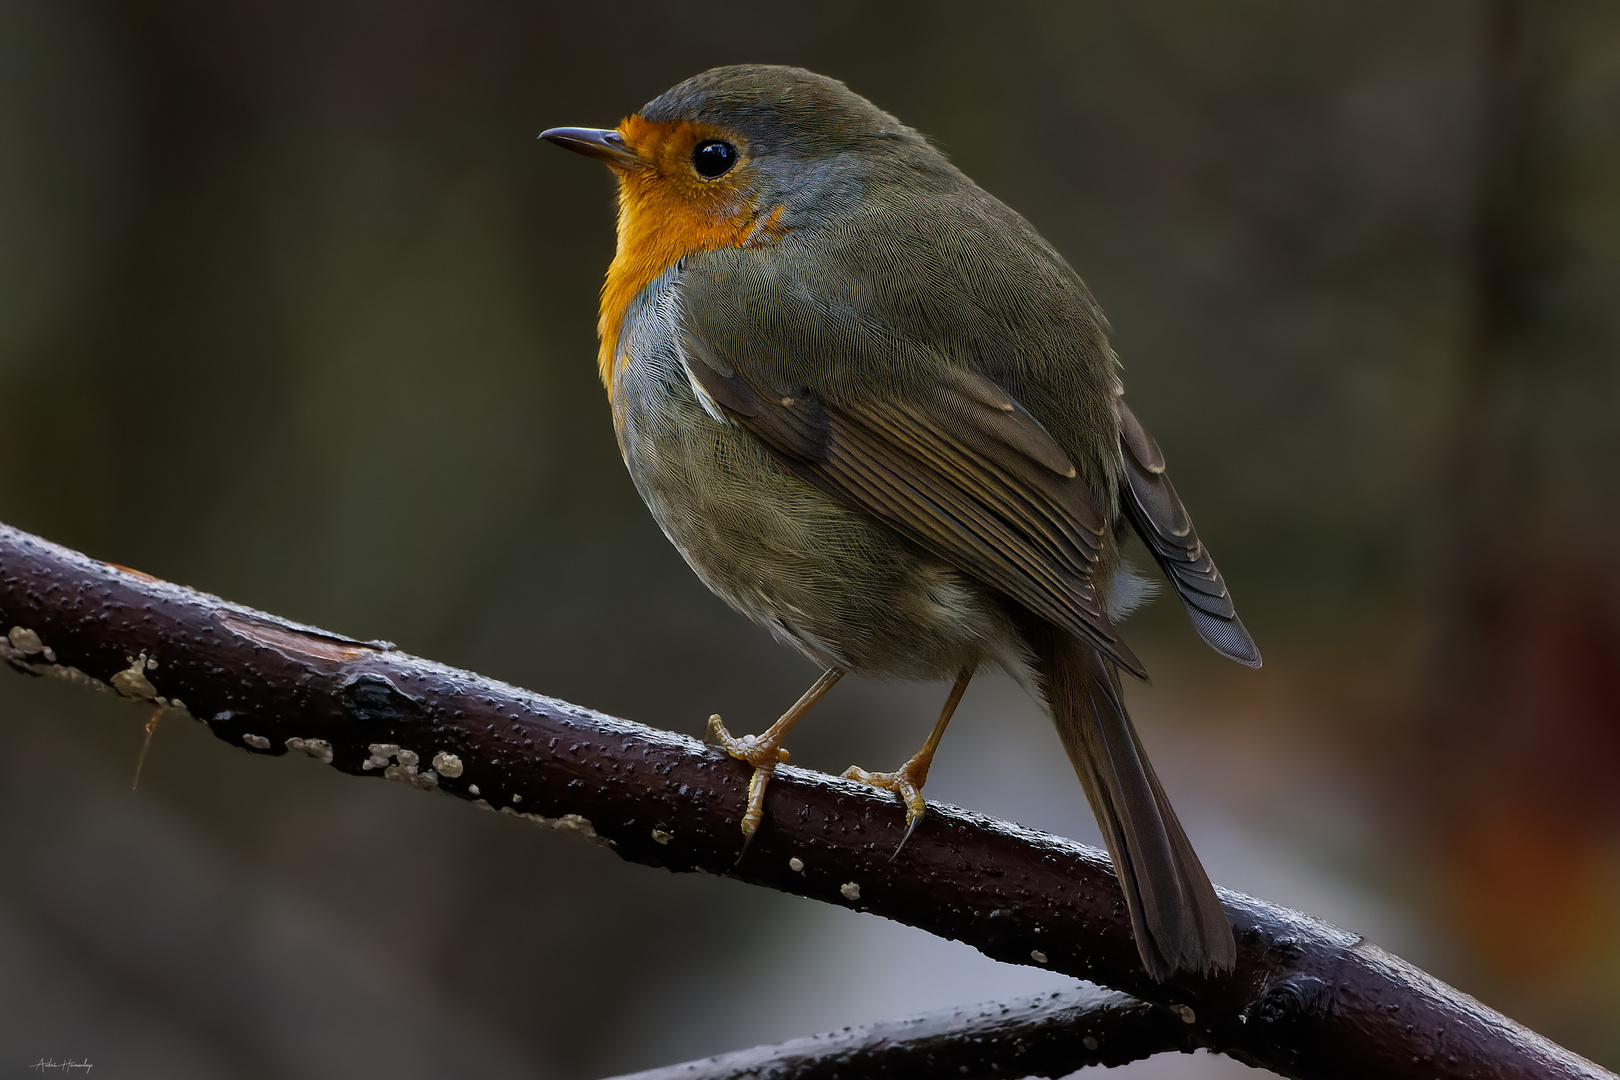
764	753
906	782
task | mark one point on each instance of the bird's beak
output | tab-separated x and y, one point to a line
603	144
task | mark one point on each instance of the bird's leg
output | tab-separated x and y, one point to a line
764	751
907	781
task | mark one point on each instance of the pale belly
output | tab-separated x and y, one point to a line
840	586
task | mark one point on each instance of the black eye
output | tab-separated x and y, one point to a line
713	158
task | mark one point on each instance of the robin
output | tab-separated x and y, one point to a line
879	415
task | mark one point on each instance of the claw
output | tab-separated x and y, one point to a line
902	784
911	827
748	842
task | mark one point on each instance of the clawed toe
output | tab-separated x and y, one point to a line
907	781
764	754
760	751
903	783
764	751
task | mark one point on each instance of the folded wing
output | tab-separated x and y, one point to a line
1155	511
963	471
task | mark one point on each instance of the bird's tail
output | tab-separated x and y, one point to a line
1175	916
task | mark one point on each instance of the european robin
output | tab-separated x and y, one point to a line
879	415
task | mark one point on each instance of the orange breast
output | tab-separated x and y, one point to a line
666	212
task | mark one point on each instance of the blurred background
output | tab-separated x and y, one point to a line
295	309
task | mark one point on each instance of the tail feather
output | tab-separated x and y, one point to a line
1177	920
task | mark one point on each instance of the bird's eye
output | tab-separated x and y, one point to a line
712	158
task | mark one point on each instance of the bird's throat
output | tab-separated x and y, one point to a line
661	221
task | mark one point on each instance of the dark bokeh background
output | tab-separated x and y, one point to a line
295	309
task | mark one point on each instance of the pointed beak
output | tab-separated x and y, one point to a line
603	144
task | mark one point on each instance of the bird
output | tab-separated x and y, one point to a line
880	415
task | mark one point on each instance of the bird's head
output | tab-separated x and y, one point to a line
726	156
735	157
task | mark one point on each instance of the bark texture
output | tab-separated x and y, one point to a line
1306	999
1049	1035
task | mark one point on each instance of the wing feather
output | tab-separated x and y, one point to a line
964	472
1155	511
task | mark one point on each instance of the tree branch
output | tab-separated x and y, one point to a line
1306	1000
1049	1035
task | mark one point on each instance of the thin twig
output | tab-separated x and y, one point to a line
146	745
1049	1035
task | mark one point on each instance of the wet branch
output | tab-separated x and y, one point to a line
1306	1000
1049	1035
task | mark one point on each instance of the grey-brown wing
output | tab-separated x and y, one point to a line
1156	512
962	471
